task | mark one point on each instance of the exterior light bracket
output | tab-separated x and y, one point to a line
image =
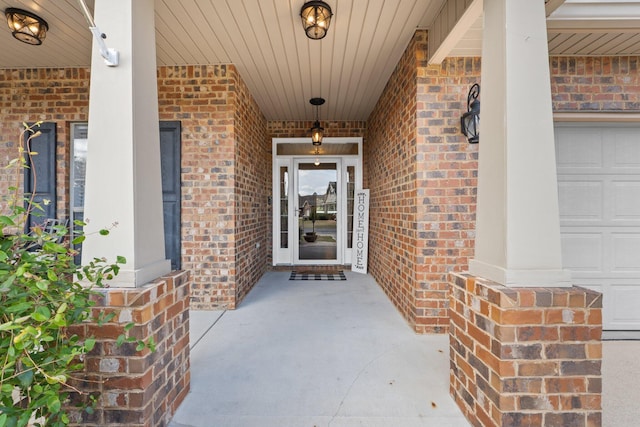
111	56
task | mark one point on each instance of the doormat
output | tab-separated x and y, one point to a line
312	275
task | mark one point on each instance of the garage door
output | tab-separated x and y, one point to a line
599	194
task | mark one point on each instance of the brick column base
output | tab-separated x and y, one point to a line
139	388
525	356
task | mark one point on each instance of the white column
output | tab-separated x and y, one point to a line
123	182
517	225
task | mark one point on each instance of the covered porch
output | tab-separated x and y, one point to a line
337	353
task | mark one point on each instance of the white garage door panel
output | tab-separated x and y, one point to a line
582	252
625	200
585	154
625	300
626	250
581	200
599	195
626	149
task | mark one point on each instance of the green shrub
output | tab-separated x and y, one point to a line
42	293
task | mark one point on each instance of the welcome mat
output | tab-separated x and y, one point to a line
313	275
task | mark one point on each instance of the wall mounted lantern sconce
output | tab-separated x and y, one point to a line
317	132
316	17
470	121
26	26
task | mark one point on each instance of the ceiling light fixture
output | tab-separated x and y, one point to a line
26	26
317	160
470	121
317	132
316	17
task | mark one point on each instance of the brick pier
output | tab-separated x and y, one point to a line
139	388
525	356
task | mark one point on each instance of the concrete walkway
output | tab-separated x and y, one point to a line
315	353
338	354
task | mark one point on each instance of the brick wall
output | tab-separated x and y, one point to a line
525	356
592	84
415	160
59	95
208	101
200	97
390	174
139	388
252	188
300	129
446	179
422	176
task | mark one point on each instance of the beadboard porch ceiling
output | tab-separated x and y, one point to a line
284	69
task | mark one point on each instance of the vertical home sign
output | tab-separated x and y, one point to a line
360	242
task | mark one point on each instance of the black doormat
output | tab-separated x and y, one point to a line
313	275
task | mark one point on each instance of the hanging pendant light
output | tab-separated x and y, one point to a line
317	132
316	17
317	159
26	26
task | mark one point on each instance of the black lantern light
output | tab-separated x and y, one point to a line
317	132
26	26
470	121
316	17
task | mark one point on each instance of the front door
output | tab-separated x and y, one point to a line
318	203
313	190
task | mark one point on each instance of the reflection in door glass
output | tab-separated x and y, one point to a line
318	204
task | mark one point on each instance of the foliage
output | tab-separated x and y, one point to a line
42	294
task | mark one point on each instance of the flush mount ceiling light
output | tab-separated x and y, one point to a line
470	121
26	26
316	17
317	132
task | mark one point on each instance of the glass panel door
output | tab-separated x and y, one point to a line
318	206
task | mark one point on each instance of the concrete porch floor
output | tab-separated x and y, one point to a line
338	354
315	353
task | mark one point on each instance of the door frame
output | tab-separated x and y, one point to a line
285	256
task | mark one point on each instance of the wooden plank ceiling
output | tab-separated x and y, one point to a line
281	66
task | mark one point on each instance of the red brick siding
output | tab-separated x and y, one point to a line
591	84
390	173
525	356
201	98
416	162
139	388
423	212
300	129
59	95
251	190
446	183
